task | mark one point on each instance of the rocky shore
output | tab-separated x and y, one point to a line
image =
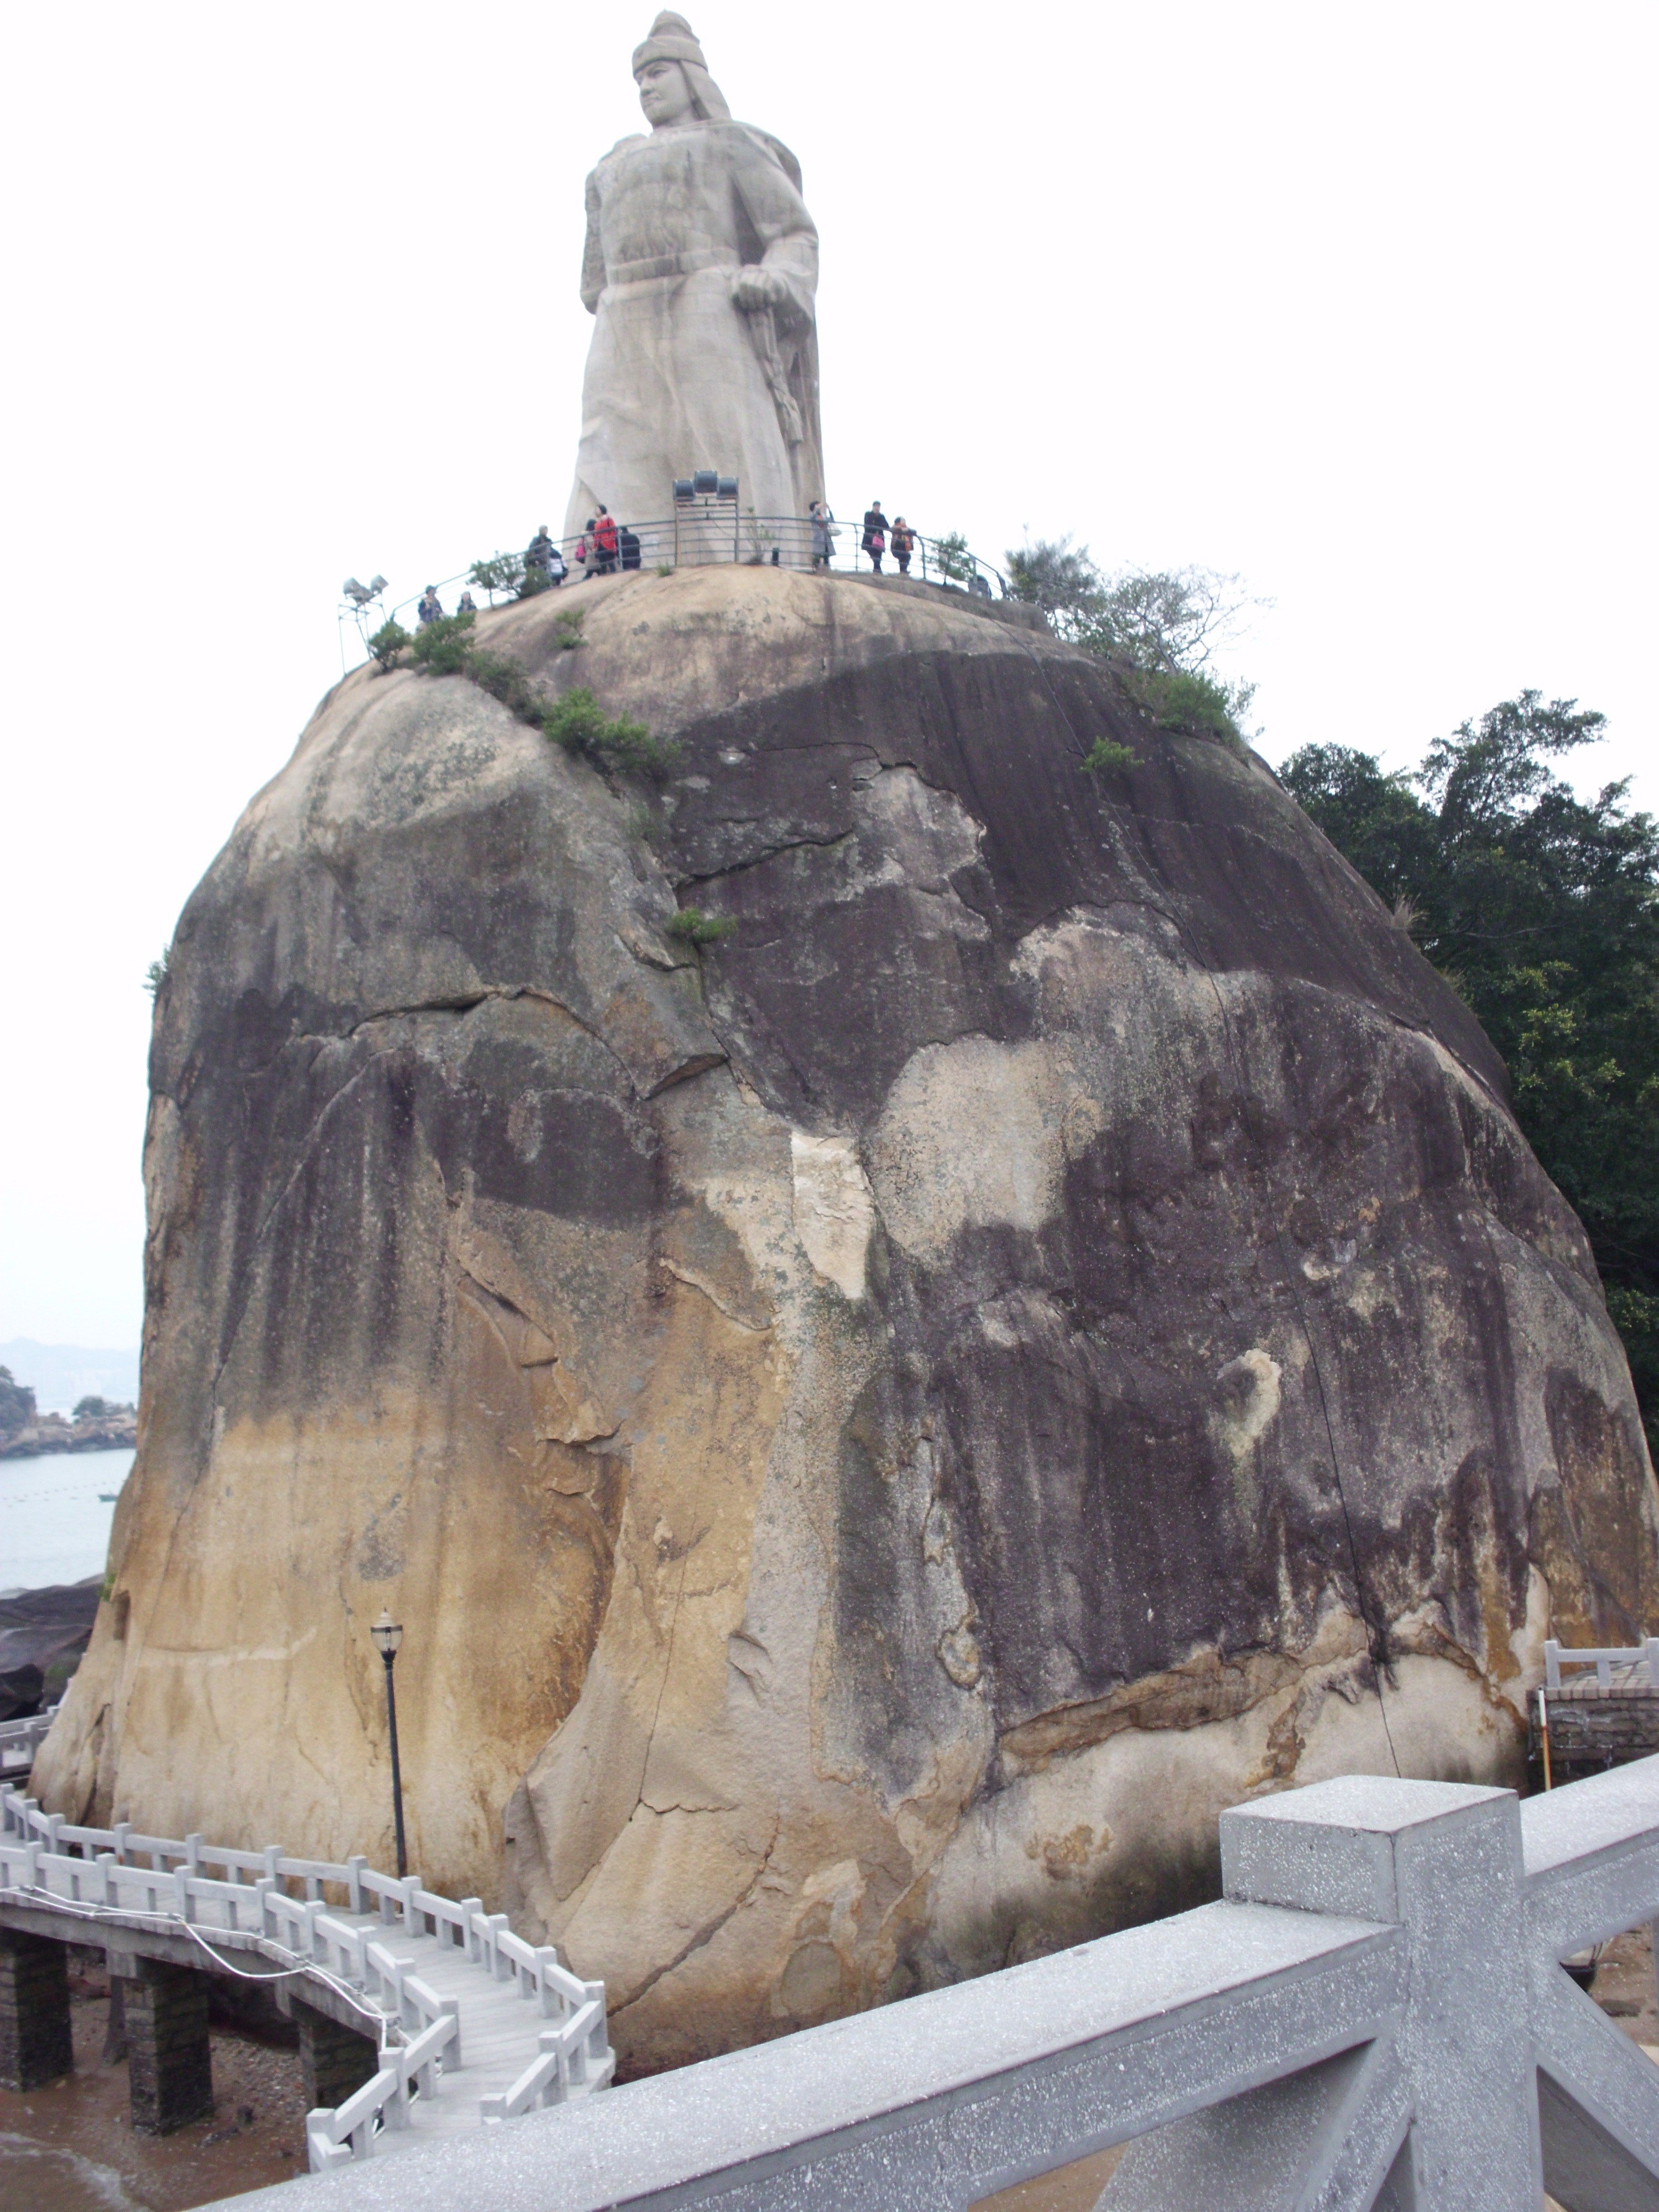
116	1430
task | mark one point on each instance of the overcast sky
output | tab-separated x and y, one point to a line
1355	301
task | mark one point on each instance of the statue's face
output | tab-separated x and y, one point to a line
664	93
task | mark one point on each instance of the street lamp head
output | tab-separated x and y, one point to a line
388	1634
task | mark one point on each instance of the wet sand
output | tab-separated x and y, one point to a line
71	2148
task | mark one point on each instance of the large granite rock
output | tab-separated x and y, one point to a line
877	1430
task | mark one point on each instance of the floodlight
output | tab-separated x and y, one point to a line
706	484
682	490
377	583
726	489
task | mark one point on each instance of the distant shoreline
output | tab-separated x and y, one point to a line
108	1432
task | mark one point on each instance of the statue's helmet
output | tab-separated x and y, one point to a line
672	39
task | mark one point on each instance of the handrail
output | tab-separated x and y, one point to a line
711	534
550	2077
1603	1659
96	1872
20	1740
1375	2011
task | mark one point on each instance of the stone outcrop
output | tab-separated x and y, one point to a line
876	1430
116	1431
43	1633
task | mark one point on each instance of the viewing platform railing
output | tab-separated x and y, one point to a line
704	533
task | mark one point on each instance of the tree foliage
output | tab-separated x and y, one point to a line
1543	909
1165	625
16	1404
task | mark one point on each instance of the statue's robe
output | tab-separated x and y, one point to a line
675	381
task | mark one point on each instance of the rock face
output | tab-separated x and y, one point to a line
877	1430
43	1633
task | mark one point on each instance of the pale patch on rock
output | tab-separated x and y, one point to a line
970	1139
833	1211
958	1654
1246	1407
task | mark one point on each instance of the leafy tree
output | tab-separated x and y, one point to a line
16	1404
1164	623
502	572
92	1408
1543	909
953	560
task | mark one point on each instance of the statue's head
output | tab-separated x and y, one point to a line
675	86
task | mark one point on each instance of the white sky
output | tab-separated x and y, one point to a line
1354	299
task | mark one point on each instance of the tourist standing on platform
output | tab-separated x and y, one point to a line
904	543
604	540
430	609
824	533
874	540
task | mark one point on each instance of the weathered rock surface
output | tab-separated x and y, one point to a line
43	1633
875	1431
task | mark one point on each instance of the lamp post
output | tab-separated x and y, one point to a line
388	1634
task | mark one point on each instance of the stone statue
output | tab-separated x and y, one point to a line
700	267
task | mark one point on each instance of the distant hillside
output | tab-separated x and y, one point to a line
60	1374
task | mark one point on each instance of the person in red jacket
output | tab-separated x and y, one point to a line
604	538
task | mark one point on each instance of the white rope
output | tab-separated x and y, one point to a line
101	1915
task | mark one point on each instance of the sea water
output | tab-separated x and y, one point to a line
55	1513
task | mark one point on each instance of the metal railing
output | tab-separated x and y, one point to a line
1374	2014
708	533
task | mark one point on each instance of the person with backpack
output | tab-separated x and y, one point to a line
874	540
904	543
629	543
604	541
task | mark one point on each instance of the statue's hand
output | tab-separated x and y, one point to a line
758	288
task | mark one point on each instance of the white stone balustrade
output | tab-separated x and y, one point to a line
1374	2015
456	2001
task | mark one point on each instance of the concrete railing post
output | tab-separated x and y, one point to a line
1442	2116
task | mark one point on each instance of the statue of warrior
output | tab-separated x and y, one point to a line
700	269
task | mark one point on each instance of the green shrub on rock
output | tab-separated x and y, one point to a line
1186	699
388	642
442	648
691	926
1106	754
579	724
504	680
